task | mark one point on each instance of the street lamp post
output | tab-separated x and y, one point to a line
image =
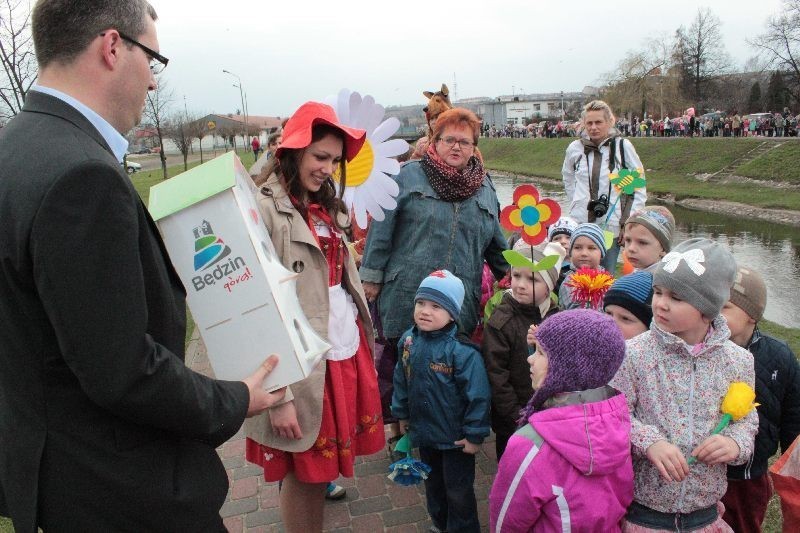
244	112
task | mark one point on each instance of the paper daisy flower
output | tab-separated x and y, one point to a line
627	181
369	190
529	214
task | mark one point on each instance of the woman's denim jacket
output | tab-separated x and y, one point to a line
425	233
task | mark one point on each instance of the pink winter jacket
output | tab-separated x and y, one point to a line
569	469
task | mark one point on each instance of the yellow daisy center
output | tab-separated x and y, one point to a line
359	169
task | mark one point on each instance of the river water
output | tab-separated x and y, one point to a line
772	249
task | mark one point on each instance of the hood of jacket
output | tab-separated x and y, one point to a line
592	437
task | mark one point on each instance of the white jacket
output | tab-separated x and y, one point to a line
576	175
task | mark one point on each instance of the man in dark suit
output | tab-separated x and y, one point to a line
102	426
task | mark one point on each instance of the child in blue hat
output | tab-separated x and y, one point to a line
441	398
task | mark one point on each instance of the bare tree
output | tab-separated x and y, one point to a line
700	53
780	45
177	129
156	109
643	81
197	129
16	56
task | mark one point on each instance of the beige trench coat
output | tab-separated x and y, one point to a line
299	252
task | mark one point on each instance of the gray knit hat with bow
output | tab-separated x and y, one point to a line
700	272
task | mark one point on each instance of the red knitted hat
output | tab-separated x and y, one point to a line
297	132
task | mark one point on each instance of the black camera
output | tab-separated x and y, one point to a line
599	207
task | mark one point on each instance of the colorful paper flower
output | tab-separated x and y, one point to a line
627	181
529	214
369	190
589	286
737	403
407	471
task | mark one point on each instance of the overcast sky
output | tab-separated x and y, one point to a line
290	51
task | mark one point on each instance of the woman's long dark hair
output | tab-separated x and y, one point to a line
287	168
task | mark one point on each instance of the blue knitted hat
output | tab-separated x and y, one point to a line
443	288
592	231
633	292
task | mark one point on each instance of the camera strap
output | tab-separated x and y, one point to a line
594	173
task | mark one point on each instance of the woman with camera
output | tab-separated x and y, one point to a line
591	197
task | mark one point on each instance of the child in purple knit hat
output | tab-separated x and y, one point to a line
569	466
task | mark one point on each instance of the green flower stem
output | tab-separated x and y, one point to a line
723	423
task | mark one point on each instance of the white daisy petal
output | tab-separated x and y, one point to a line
392	148
356	110
343	106
387	184
385	164
374	118
386	129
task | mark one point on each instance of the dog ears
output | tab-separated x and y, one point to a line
445	91
427	94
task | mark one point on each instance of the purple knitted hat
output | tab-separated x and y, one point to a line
584	350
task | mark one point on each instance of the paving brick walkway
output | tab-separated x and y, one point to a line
373	503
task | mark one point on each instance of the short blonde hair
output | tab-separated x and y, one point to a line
598	105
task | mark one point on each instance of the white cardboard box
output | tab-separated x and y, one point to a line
242	298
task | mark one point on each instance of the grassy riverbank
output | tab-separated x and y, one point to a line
672	166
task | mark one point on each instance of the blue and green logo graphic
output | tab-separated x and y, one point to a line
208	248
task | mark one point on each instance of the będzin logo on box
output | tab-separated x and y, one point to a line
210	253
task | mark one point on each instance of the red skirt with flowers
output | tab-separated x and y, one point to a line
351	425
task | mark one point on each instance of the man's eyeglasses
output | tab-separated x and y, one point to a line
157	62
452	141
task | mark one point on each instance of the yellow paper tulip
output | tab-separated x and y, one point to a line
738	401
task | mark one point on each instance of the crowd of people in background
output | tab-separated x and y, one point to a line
716	124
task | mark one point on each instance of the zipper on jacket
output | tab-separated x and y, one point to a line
691	429
453	227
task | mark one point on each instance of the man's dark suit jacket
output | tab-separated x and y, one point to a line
102	426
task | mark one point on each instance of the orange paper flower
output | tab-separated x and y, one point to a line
589	286
529	214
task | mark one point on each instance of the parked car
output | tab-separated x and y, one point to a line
132	166
142	150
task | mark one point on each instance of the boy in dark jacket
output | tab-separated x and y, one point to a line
504	348
441	397
777	392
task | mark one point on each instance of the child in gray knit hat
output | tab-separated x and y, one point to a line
674	377
648	236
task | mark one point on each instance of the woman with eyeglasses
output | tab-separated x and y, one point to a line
447	217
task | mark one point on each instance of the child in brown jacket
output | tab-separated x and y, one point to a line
505	350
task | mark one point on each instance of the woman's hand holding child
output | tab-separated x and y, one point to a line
669	460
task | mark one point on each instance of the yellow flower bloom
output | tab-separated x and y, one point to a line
328	454
738	400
